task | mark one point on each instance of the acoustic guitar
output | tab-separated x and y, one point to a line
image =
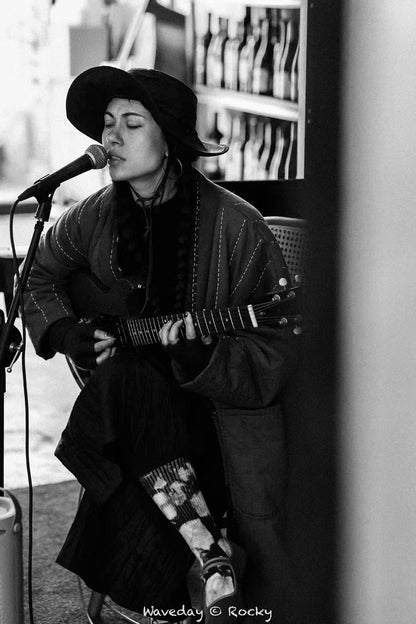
115	311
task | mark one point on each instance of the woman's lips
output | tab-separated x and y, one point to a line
113	159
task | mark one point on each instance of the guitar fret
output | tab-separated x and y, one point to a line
198	323
213	320
205	321
141	331
230	316
138	332
154	330
148	330
222	320
241	318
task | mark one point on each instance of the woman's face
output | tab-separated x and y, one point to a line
134	142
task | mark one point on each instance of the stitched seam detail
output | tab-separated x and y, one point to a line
219	258
195	254
111	256
80	213
238	238
101	206
261	275
41	310
59	299
69	238
246	269
63	251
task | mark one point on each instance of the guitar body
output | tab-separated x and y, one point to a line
91	298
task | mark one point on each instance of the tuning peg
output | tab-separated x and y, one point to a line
297	330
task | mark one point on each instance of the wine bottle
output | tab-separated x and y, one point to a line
250	153
234	165
278	51
268	150
201	49
263	63
294	76
249	51
285	66
277	155
258	147
211	70
290	168
232	49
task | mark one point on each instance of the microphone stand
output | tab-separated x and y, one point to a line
10	337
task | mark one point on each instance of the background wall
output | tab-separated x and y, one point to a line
378	318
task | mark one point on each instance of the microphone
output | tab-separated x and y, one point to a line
95	157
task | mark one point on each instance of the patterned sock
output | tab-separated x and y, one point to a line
175	490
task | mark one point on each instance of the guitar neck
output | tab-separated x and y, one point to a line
145	330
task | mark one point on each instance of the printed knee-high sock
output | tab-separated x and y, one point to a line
175	490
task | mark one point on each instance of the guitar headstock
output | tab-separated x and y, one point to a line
288	303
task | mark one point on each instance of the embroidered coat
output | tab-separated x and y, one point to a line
235	260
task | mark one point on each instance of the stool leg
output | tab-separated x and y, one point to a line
95	604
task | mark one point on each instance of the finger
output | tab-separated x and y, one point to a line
113	351
189	327
163	334
101	345
173	336
206	339
103	356
100	334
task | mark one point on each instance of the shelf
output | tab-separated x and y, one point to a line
262	105
230	5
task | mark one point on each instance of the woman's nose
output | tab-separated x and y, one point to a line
113	137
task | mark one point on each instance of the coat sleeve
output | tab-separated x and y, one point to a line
248	368
61	251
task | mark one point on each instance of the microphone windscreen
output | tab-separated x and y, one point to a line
98	155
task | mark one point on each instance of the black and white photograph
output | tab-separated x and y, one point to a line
207	260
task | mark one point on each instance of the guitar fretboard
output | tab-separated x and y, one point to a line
145	330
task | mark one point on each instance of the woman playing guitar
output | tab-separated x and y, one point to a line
159	430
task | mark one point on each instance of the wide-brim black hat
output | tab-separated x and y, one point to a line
171	103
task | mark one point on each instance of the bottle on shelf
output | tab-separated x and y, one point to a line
210	61
249	50
285	66
263	62
294	76
278	50
259	145
250	161
201	49
268	150
215	55
234	166
213	166
277	154
290	169
232	49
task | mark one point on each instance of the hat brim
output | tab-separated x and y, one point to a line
91	91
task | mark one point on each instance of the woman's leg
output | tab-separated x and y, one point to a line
175	490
